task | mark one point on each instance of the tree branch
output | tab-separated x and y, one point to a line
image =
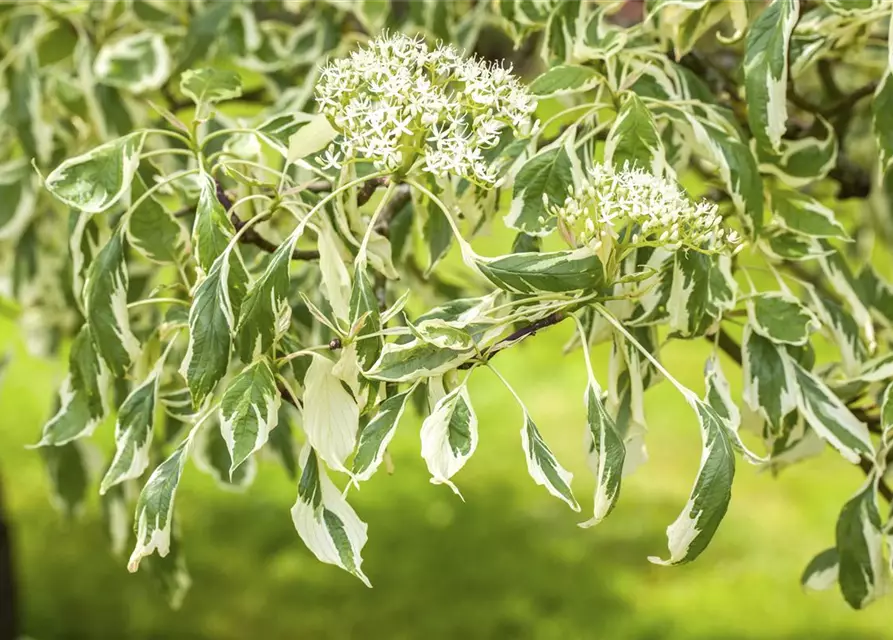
515	337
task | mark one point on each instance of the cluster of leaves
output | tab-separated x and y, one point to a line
229	292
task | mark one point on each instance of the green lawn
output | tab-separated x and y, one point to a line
508	563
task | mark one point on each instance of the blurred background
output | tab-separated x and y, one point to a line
508	563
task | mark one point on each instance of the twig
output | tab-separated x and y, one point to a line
515	337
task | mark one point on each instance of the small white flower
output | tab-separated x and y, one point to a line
450	109
653	210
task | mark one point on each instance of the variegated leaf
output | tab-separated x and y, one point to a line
829	416
327	524
780	317
634	139
542	465
805	215
558	271
138	63
151	229
96	180
766	71
822	571
416	359
377	434
331	414
155	508
543	181
249	410
449	436
565	79
863	574
105	305
690	534
133	434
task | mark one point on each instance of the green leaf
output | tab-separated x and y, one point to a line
413	360
558	271
829	416
769	386
211	455
282	443
862	571
542	465
780	317
844	330
841	278
327	524
690	534
801	161
542	182
364	308
438	235
105	306
249	410
68	476
562	31
151	229
213	229
265	313
27	112
766	71
312	138
82	403
133	434
802	214
138	63
96	180
449	436
209	86
634	138
565	79
822	571
377	434
155	508
211	323
331	414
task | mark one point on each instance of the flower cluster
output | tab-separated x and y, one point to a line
647	209
396	102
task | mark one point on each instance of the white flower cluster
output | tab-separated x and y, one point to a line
396	102
648	209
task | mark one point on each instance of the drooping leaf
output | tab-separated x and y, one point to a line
265	313
690	534
363	306
331	414
327	524
211	323
170	573
212	229
862	571
133	434
829	416
449	436
377	434
82	403
249	410
211	455
96	180
105	305
542	465
822	571
766	70
155	508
